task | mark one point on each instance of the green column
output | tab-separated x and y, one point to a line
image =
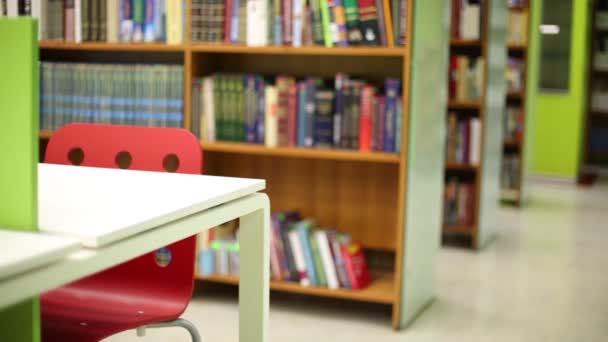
19	156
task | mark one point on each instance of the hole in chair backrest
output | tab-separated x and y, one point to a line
76	156
171	162
123	159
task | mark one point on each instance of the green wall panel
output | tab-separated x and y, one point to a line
18	161
559	118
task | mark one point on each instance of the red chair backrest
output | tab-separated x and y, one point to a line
146	149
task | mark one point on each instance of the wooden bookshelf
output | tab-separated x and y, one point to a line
510	146
593	163
364	194
477	175
380	291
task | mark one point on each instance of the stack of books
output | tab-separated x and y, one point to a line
467	76
300	22
131	94
514	74
104	20
510	174
517	33
459	202
299	252
464	140
346	113
513	123
467	19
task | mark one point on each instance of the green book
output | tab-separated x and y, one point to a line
396	18
239	127
217	100
325	22
316	256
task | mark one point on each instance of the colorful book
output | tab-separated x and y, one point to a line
298	256
327	259
392	92
287	22
338	108
271	98
356	266
112	20
336	250
292	116
316	258
368	17
365	119
325	23
351	10
302	113
303	229
323	118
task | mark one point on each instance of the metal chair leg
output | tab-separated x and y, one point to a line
196	337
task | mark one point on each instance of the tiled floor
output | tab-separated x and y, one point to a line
545	278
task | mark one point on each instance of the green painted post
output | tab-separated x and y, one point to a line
19	156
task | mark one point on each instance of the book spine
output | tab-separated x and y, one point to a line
250	107
75	29
126	21
323	118
328	263
455	22
234	21
159	20
271	116
261	111
301	113
388	22
310	107
381	22
283	108
333	28
228	11
403	23
93	20
339	261
340	19
317	22
355	265
297	22
112	21
256	22
174	21
303	230
355	37
398	125
325	23
240	122
365	122
298	255
208	105
392	88
275	262
346	115
368	16
381	123
278	22
292	118
150	15
289	253
68	20
338	109
102	21
316	258
287	22
353	134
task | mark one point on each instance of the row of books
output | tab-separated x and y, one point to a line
459	202
467	75
517	32
300	22
514	74
510	174
466	19
132	94
464	140
105	20
299	252
304	113
513	123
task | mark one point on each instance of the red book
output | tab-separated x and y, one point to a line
356	266
287	15
455	29
453	77
381	122
292	115
228	20
365	119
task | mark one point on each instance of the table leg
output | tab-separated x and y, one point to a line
254	272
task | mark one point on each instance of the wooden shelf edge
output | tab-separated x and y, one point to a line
103	46
511	143
379	291
298	152
303	50
459	229
451	166
517	46
465	42
453	104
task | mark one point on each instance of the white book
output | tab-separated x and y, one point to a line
469	22
298	256
12	8
112	21
207	120
257	26
271	121
328	262
78	21
475	143
296	21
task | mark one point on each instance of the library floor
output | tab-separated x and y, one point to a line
545	278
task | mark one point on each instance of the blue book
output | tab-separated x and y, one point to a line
301	113
234	22
398	125
278	30
150	18
392	95
261	113
303	229
157	20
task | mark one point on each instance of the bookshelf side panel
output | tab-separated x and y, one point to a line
424	183
494	106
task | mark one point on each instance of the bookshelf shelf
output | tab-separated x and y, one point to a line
295	152
518	8
93	46
511	143
465	43
304	50
461	167
459	229
475	105
517	47
381	290
515	95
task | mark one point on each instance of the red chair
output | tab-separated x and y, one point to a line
150	291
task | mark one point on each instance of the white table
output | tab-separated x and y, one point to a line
120	214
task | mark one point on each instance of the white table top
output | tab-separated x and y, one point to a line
101	206
23	251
